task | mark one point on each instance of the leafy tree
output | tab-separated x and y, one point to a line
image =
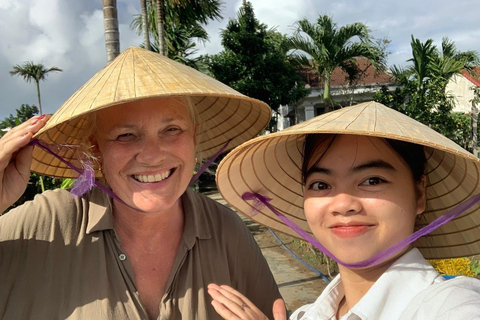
172	19
254	62
324	47
421	91
37	72
36	184
23	114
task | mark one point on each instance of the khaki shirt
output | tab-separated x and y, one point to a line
60	259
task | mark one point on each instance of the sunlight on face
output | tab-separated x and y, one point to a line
147	150
360	197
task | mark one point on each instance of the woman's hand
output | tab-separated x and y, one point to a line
232	305
15	160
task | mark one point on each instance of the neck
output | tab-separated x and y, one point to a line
357	282
143	228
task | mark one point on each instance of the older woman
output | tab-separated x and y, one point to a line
370	184
146	246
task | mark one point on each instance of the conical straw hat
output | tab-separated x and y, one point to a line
271	165
224	114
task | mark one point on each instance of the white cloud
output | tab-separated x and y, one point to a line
69	34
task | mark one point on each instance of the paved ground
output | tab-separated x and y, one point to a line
298	284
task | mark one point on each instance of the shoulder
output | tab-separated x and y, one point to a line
456	298
50	210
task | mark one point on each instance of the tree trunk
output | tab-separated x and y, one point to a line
38	97
110	23
474	129
146	32
160	27
326	90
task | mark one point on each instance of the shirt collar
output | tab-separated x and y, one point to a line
196	223
393	291
100	215
99	211
326	305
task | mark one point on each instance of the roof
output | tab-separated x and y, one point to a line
474	77
369	76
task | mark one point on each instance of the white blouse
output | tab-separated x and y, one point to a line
410	289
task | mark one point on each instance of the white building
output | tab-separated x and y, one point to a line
342	92
461	87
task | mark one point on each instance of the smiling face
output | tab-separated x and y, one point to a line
147	151
360	197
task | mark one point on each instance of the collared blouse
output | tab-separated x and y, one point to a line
410	289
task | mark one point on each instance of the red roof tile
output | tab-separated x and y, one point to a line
475	78
340	78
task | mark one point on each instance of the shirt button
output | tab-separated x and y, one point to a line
122	257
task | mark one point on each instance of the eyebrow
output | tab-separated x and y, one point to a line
379	164
130	126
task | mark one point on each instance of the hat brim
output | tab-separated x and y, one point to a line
137	74
271	165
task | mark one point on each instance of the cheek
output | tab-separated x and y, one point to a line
314	211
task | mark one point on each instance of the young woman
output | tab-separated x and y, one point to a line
370	184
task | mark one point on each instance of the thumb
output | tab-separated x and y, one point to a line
279	310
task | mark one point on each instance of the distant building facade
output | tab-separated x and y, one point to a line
343	93
461	87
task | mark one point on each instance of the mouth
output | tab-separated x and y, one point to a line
152	178
351	225
350	230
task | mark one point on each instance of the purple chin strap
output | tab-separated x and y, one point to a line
86	180
208	163
261	201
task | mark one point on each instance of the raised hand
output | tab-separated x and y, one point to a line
15	160
232	305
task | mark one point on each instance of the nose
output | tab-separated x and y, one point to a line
151	152
345	204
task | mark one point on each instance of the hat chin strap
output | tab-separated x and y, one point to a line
208	163
261	201
86	180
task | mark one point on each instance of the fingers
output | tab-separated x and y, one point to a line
231	304
279	310
32	125
18	137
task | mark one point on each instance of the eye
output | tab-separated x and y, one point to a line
124	137
373	181
318	185
173	130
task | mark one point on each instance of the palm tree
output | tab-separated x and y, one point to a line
331	47
167	15
37	72
146	33
160	4
112	35
433	66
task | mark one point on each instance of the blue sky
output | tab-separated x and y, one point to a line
69	34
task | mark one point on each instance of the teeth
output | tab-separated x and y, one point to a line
153	178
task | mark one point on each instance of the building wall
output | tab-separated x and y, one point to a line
461	88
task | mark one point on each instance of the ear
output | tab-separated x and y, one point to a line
421	191
95	148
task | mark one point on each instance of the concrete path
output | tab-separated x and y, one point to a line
297	283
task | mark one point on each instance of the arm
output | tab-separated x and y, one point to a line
15	160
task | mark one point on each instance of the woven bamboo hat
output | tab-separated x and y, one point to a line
223	113
271	165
